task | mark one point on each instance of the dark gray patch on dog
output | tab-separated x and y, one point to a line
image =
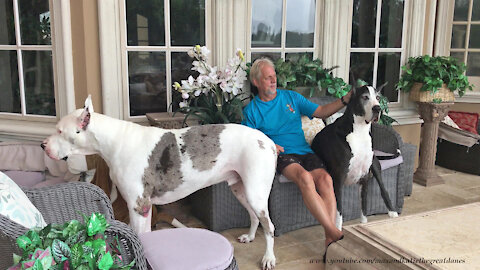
260	143
202	144
163	172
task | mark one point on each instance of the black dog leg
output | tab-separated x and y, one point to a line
339	218
376	169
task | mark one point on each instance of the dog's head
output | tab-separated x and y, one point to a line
72	136
364	103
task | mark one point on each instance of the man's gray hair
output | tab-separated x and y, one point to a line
256	69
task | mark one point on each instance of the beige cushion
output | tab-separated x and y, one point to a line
311	127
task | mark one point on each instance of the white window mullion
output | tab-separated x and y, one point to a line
284	28
377	42
168	54
18	39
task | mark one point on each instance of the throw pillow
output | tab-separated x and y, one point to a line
465	120
15	205
311	127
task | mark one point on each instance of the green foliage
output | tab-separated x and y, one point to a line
309	73
73	245
433	72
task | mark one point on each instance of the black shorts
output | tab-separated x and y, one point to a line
309	162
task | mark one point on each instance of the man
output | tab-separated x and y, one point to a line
277	113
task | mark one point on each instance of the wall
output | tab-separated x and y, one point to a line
410	134
86	52
466	107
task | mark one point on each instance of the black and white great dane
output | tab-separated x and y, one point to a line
346	148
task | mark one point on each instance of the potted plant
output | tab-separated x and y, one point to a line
73	245
433	79
214	97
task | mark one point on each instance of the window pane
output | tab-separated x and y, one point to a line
361	65
473	64
266	26
458	55
389	71
34	22
364	23
295	56
300	23
181	69
38	79
145	23
9	88
461	10
474	36
458	36
391	24
7	27
476	11
187	26
147	82
272	56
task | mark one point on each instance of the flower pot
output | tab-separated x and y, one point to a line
444	94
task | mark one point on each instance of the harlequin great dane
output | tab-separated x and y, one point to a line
346	148
151	165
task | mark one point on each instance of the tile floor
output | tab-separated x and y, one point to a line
304	248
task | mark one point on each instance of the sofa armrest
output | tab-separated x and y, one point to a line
64	202
385	139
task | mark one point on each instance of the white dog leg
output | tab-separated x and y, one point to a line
392	214
339	221
139	223
363	218
239	191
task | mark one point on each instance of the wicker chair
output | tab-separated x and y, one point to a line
62	203
219	210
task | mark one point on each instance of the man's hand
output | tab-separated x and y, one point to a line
348	96
279	149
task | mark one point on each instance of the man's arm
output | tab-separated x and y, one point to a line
331	108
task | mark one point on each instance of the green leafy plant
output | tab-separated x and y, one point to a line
305	72
433	72
73	245
214	97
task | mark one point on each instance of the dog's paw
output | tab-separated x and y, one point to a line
363	219
268	262
392	214
246	238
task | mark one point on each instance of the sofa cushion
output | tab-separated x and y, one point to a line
16	206
389	160
186	248
465	120
311	127
26	179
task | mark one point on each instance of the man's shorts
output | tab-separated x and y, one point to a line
309	161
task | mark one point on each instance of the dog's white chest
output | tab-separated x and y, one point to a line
360	143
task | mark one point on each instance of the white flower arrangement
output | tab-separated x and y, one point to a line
219	86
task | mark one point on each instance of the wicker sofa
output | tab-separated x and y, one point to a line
219	210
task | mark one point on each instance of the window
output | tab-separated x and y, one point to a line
285	31
377	44
26	64
157	35
465	43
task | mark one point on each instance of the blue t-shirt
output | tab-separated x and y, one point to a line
280	119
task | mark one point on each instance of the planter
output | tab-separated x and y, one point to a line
444	94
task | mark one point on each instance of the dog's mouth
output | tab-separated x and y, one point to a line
374	119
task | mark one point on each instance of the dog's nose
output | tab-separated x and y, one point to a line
376	109
65	158
43	146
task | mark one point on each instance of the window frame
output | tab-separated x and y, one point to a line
37	127
316	49
443	40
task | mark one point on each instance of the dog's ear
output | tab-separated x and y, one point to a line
379	89
84	119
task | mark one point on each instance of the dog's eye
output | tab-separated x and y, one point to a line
378	98
366	98
78	131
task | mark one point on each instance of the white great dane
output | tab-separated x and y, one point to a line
151	165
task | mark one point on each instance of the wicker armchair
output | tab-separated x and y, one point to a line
64	202
219	210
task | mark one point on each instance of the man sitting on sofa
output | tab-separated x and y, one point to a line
277	113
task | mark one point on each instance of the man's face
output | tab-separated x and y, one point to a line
267	83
